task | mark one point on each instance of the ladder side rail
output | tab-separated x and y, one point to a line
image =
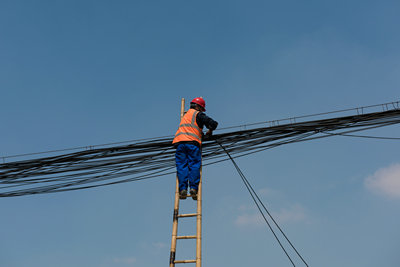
176	209
174	227
199	219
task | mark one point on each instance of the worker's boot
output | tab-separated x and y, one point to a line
183	194
193	193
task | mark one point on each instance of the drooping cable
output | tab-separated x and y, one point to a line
258	202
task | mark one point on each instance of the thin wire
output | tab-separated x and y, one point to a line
89	147
364	136
394	104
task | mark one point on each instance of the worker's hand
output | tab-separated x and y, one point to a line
208	134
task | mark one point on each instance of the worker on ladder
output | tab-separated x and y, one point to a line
187	142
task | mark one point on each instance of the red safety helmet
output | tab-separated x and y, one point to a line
199	101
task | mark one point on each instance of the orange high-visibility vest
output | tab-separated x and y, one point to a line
188	129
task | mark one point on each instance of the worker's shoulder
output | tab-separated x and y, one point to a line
202	115
204	118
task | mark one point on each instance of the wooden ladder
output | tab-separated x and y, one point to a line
177	216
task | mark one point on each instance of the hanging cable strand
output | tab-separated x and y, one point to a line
147	159
258	202
247	185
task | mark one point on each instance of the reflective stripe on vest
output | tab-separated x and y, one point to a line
188	129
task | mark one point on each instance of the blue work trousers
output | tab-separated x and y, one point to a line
188	163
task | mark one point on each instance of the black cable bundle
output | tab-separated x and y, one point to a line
155	157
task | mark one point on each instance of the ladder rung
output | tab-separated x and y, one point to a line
186	261
187	215
188	196
186	237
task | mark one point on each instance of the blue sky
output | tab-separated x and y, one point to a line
77	73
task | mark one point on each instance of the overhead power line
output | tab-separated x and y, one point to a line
155	157
349	111
357	110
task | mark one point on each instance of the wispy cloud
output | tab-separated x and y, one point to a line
385	181
130	261
268	192
295	213
249	220
159	245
